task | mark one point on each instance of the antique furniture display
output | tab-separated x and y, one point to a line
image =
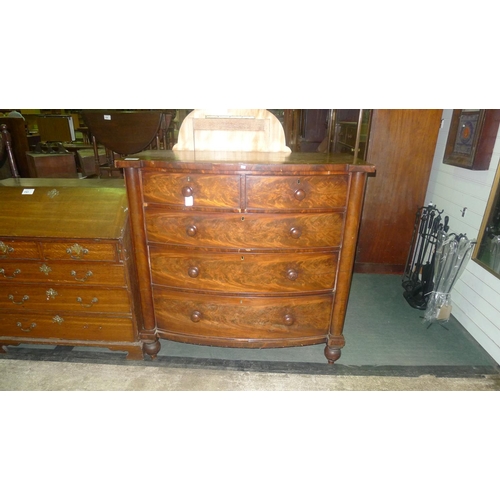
125	132
67	276
56	128
244	249
58	165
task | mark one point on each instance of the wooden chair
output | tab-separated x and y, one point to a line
6	147
19	143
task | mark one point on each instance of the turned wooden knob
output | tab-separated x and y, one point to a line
191	230
292	274
193	272
288	319
187	191
295	232
300	194
195	316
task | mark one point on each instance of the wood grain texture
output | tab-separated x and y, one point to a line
251	272
243	317
67	326
401	144
206	190
296	192
245	231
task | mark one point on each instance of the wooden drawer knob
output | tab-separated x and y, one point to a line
191	230
187	191
295	232
288	319
292	274
195	316
193	272
300	194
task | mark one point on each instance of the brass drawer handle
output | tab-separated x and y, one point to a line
196	316
95	300
295	232
88	274
300	194
193	272
23	300
20	326
292	274
191	230
288	319
5	249
14	274
77	251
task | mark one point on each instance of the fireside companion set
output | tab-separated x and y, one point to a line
229	239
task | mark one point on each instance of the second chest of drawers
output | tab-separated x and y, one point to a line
67	274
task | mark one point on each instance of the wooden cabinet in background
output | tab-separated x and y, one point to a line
57	165
401	143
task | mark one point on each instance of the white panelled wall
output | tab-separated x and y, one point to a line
476	295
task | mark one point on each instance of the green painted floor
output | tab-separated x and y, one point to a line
381	329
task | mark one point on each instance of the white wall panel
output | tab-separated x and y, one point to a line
476	296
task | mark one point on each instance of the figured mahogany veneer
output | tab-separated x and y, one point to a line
67	274
241	249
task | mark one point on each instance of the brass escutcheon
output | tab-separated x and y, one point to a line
45	269
5	249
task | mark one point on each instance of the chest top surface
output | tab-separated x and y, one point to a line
73	209
245	161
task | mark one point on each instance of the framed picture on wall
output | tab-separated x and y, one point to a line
471	138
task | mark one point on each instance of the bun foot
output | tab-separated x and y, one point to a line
151	348
332	354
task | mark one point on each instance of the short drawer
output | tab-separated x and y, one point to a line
64	298
80	251
200	190
18	249
248	231
236	273
89	273
62	326
242	317
296	192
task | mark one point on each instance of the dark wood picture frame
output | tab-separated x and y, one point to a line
471	138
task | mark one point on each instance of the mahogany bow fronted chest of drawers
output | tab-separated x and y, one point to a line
67	274
244	249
